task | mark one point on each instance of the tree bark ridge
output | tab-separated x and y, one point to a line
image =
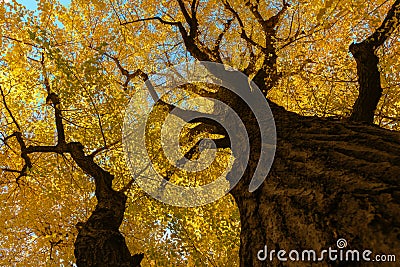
329	180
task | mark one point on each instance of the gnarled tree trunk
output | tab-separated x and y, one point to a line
99	242
330	180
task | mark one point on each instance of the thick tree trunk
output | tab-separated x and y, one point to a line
99	242
330	180
367	66
369	81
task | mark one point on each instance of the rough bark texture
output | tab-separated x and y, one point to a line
330	180
99	241
369	80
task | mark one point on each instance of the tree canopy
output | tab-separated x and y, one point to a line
68	72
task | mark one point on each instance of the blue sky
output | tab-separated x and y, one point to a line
31	4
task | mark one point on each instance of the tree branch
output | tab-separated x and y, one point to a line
174	23
370	89
22	42
130	183
24	155
243	34
185	12
254	9
101	149
53	99
389	24
227	25
273	21
8	109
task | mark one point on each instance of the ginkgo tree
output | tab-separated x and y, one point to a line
49	59
68	73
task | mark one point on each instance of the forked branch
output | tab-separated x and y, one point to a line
370	89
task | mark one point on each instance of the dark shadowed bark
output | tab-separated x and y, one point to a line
330	179
370	90
369	81
99	242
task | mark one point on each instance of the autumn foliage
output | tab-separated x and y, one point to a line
76	66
